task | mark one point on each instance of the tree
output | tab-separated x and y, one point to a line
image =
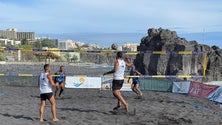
3	37
24	42
46	56
44	43
37	44
74	58
67	56
26	46
2	57
47	43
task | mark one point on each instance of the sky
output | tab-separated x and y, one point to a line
111	16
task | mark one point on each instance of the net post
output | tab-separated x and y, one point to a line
205	64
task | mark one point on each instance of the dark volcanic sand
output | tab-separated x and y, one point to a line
20	106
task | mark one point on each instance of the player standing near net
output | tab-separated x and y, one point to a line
45	86
135	81
60	80
118	79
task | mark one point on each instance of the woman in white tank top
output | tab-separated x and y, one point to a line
119	73
118	79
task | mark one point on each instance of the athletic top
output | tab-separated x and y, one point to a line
45	86
135	79
61	76
119	74
134	73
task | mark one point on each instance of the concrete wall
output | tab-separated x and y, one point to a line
19	81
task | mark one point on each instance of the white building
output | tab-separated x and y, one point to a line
66	45
70	45
9	42
130	46
17	42
63	45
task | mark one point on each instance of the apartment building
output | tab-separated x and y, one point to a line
30	36
8	34
13	34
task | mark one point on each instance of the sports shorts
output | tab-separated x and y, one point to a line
45	96
117	84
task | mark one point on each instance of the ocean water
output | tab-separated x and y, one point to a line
101	39
107	39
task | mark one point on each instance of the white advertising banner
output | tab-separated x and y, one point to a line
83	82
216	95
126	85
107	84
181	87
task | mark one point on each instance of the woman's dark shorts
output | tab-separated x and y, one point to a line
117	84
45	96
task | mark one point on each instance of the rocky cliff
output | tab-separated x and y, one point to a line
177	64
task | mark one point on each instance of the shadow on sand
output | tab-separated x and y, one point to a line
119	112
17	116
82	110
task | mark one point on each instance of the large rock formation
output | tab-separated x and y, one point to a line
177	64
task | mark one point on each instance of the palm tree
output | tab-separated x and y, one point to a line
46	55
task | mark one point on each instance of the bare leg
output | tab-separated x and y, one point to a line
57	88
118	103
41	110
133	87
118	95
61	89
53	108
138	90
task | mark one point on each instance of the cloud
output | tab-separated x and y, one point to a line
111	15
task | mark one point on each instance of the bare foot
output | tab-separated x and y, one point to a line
41	120
55	120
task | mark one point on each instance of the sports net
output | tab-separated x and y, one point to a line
156	64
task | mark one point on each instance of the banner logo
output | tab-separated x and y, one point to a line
80	82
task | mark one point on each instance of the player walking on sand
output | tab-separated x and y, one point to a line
118	79
135	81
45	86
60	80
